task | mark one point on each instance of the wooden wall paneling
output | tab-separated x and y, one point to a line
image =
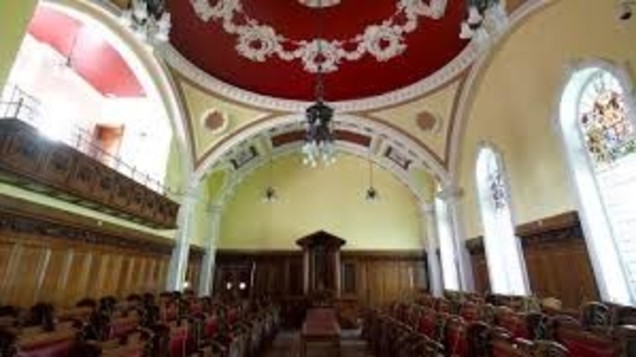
64	278
131	277
114	275
141	274
52	275
556	256
93	289
149	283
24	284
8	251
123	276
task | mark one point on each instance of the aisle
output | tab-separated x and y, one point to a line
287	344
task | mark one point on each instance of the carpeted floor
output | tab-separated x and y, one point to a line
287	344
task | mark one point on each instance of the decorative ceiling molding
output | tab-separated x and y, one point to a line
258	42
238	177
444	75
420	155
467	94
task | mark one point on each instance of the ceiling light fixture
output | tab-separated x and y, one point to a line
319	139
270	195
148	19
372	194
484	18
624	9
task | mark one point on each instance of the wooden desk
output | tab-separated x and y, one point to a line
321	325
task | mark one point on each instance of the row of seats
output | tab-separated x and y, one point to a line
467	325
170	325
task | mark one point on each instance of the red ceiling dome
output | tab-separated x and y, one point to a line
429	46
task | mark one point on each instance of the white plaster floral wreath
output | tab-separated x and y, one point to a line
257	41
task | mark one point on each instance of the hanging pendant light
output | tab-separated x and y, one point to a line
371	194
270	195
319	144
148	19
484	17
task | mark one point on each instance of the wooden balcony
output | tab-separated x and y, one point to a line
29	160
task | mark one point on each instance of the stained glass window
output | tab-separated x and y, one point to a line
506	268
608	134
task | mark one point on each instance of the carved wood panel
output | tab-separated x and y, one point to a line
66	172
60	258
556	257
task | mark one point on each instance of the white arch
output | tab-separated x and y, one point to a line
145	64
610	277
434	167
473	81
401	176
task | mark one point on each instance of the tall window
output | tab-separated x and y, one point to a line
448	253
506	267
598	128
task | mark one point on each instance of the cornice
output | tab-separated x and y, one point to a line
447	73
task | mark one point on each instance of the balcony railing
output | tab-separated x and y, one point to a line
17	104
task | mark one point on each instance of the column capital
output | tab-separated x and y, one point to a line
450	193
214	208
427	208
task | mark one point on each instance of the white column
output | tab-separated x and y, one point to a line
185	229
451	195
206	283
430	234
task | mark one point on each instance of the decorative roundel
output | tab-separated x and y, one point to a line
427	121
215	121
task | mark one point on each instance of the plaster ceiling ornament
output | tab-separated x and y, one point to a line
258	42
215	121
427	122
319	3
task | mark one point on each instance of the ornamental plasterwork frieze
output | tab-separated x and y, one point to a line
418	89
258	42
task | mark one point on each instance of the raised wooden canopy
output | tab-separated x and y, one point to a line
321	238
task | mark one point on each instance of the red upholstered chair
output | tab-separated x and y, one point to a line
178	341
582	343
513	322
456	341
123	326
211	327
470	311
428	323
57	343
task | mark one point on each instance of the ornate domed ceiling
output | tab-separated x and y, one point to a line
266	46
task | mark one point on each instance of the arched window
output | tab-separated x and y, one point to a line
506	267
597	124
448	253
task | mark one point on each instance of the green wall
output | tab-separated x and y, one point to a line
325	198
14	17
